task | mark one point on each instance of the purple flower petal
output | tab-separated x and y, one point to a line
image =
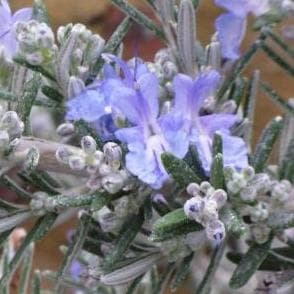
235	152
216	122
89	105
24	14
231	30
238	7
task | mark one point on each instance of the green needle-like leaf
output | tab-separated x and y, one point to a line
40	13
138	17
74	247
173	224
180	170
249	264
182	272
266	143
128	232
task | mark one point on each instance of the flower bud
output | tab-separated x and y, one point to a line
63	154
215	230
113	154
248	173
75	86
88	144
169	70
76	162
260	212
65	129
210	211
248	194
194	207
193	189
261	182
204	187
162	56
113	182
260	233
220	197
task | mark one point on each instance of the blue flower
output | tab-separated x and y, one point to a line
189	97
231	26
7	20
149	134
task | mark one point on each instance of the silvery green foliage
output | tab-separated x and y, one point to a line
132	237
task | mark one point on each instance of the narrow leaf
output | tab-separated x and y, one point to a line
277	99
38	231
277	59
25	270
187	36
40	13
206	282
249	264
52	94
36	283
240	66
14	219
182	272
266	143
138	17
179	169
173	224
113	43
74	247
128	233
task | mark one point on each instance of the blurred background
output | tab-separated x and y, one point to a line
103	18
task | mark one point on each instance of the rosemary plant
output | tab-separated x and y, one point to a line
154	159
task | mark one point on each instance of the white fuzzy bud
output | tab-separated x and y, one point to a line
65	129
205	187
113	182
75	86
76	162
281	191
35	58
261	182
11	122
220	197
169	70
193	189
260	212
210	211
88	144
112	154
194	207
63	154
215	230
248	194
260	233
248	173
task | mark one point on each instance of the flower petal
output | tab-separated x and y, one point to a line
89	105
148	86
238	7
231	30
235	152
219	121
24	14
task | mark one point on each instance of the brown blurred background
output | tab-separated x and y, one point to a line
102	18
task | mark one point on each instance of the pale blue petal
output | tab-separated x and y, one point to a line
89	106
105	127
130	135
182	86
231	30
148	87
237	7
216	122
24	14
235	152
5	21
175	134
205	85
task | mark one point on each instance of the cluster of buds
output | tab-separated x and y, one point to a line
79	50
103	167
41	203
36	42
11	128
246	184
203	207
164	67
